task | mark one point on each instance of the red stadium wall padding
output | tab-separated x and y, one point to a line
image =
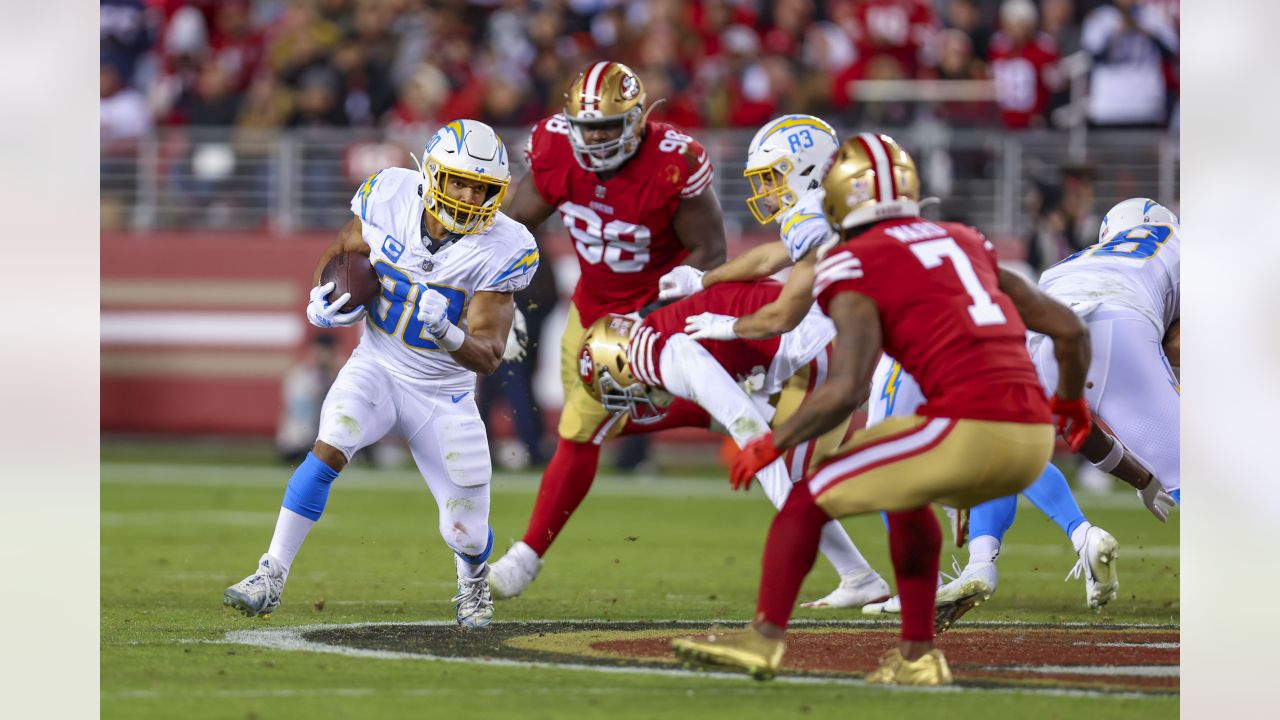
157	378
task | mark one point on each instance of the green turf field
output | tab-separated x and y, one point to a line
677	548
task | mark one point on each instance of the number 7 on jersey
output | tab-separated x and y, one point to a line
931	253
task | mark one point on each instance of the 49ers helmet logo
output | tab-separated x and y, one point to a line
630	87
585	369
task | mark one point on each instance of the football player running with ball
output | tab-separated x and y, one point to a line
933	297
636	199
448	263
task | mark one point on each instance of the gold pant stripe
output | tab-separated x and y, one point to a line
907	462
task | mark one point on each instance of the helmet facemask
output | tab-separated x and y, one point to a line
644	404
460	216
770	181
609	154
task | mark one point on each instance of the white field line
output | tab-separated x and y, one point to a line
291	638
1099	670
364	479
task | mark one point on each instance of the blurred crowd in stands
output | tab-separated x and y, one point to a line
406	65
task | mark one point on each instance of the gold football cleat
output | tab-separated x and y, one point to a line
930	669
748	651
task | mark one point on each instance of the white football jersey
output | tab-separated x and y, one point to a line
500	259
1137	269
803	226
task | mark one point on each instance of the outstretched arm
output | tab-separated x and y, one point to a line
760	261
785	313
1043	314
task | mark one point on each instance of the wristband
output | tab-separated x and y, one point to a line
1109	463
452	338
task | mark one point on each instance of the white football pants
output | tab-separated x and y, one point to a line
439	420
1130	386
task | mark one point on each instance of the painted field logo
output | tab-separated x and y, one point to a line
1073	658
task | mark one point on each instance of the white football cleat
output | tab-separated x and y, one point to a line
512	573
972	586
854	591
1098	564
892	606
474	603
258	594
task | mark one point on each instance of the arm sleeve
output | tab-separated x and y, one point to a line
700	174
689	371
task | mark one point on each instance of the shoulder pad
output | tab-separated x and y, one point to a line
384	194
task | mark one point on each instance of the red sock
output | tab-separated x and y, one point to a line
914	543
565	483
789	554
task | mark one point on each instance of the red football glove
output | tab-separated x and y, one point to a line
1072	419
754	457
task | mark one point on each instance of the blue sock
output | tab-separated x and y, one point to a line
477	559
1053	497
993	517
308	489
1174	494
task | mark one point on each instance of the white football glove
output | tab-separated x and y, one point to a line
433	311
325	314
710	326
517	339
681	281
1156	499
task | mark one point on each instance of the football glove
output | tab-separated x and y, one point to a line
755	456
325	314
1072	419
517	339
1156	500
710	326
681	281
433	311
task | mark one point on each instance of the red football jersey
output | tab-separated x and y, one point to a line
1023	75
936	286
740	358
621	227
897	28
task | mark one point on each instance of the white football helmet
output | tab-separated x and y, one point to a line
785	160
465	150
1132	213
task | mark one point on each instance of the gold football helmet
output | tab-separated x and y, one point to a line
604	367
605	99
871	178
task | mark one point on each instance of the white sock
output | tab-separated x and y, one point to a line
984	549
1077	535
291	530
841	551
466	570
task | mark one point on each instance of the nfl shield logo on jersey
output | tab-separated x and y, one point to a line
428	265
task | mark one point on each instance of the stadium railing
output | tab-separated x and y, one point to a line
286	181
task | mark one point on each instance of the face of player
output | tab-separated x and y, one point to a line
768	183
596	133
466	190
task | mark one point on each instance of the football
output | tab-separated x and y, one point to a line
351	272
